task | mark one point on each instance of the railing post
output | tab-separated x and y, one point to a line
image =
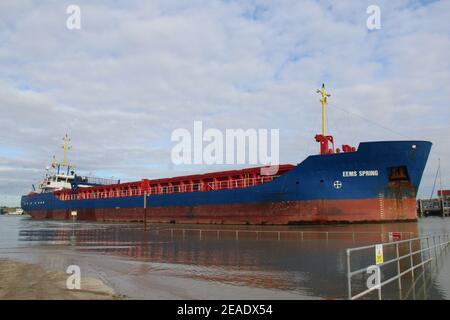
411	259
349	277
422	256
398	267
434	243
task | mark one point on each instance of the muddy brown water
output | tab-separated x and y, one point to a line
168	261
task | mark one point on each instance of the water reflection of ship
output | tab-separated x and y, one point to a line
264	261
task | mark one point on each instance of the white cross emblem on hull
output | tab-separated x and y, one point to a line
337	184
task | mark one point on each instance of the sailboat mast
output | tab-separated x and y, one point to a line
440	177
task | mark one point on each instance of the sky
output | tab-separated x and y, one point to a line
137	70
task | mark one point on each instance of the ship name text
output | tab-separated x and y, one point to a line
361	173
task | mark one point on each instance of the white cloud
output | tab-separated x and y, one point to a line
138	70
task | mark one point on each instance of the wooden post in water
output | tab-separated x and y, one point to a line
74	216
145	210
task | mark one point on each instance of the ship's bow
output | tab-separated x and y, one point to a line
404	164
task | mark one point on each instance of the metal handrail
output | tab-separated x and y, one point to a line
301	233
441	245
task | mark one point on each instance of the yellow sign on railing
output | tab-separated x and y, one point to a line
379	259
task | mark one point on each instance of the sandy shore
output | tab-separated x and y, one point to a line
20	281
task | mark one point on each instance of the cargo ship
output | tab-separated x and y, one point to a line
375	182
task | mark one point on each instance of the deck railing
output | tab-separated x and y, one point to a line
178	188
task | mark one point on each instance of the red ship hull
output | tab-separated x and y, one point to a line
271	213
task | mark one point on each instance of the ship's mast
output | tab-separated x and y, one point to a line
66	147
65	162
326	142
323	100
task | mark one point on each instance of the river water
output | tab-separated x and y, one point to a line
170	261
